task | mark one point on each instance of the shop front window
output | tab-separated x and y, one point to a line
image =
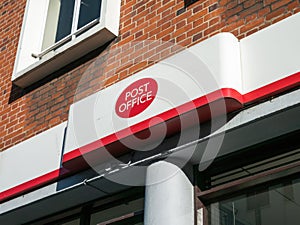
129	213
73	222
276	205
120	212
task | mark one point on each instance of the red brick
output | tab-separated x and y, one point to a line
181	24
268	2
182	30
232	4
293	5
214	21
281	17
275	14
253	24
234	11
263	11
253	9
279	4
137	67
181	37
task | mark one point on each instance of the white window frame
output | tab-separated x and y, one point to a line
33	63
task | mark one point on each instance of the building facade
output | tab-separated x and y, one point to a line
149	112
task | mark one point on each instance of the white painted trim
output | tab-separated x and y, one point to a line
36	69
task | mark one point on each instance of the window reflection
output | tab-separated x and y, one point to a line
89	11
276	205
64	24
129	213
73	222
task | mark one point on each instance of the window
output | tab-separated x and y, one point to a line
57	32
121	212
259	185
276	205
65	18
73	222
129	213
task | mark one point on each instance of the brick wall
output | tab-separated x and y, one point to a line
150	30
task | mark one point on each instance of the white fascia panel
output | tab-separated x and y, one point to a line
185	76
32	158
221	54
271	54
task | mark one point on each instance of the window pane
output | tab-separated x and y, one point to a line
129	213
275	205
89	10
65	19
73	222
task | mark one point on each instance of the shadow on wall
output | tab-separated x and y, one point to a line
17	92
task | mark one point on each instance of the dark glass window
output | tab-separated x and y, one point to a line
122	210
66	13
73	222
276	205
84	12
129	213
89	11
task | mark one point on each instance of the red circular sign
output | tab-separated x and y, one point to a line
136	98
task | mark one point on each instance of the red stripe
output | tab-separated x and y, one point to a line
29	185
172	113
263	92
273	88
